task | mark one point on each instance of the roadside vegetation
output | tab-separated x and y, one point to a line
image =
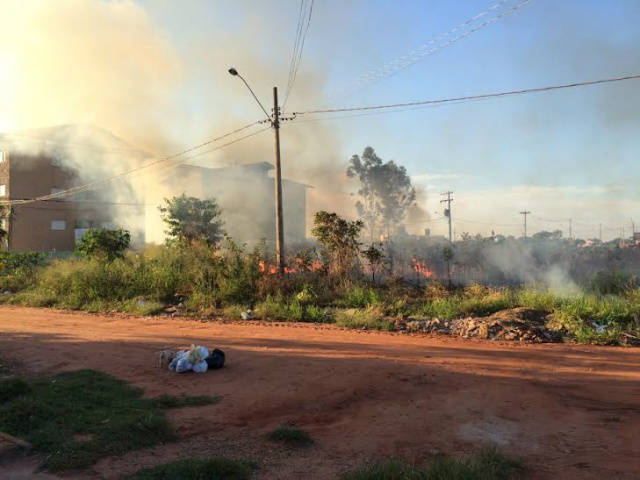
76	418
199	272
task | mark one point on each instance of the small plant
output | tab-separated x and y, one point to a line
291	436
104	244
375	258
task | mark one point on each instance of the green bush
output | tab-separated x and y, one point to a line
359	296
104	243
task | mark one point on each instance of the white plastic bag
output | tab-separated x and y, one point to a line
200	367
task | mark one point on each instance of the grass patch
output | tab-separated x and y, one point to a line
369	319
487	464
213	468
76	418
291	435
170	401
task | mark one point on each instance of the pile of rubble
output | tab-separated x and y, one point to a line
519	324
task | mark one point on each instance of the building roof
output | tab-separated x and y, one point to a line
264	167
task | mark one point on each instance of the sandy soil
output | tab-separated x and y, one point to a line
570	411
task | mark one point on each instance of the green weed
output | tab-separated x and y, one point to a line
291	436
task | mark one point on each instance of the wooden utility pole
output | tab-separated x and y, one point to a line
525	213
278	180
447	212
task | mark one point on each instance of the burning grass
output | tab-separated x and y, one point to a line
230	282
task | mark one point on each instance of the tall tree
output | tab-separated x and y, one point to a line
191	219
385	191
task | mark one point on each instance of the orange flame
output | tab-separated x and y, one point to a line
422	268
315	266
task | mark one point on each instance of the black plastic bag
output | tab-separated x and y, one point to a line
216	359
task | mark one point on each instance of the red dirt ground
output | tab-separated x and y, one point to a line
570	411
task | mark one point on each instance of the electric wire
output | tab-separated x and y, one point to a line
402	63
296	42
473	97
77	189
299	59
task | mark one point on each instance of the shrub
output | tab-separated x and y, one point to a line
358	296
103	243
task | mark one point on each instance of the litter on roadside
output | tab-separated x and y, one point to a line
197	359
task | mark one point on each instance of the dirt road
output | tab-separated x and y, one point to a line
570	411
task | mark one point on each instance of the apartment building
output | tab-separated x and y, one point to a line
46	161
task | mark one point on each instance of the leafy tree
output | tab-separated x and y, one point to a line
339	237
190	220
544	235
103	243
386	192
375	257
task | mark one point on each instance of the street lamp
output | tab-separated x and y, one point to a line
275	123
235	73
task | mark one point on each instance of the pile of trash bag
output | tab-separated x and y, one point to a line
197	359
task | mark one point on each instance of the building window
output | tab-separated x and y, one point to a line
58	225
3	190
2	157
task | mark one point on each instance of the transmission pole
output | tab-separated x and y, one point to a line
278	179
570	230
525	213
447	212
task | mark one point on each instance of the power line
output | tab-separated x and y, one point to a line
74	190
296	42
296	64
399	64
473	97
490	224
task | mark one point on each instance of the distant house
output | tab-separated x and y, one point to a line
246	195
40	162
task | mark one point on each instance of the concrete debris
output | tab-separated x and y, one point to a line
518	324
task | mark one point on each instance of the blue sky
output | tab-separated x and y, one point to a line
155	72
559	154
